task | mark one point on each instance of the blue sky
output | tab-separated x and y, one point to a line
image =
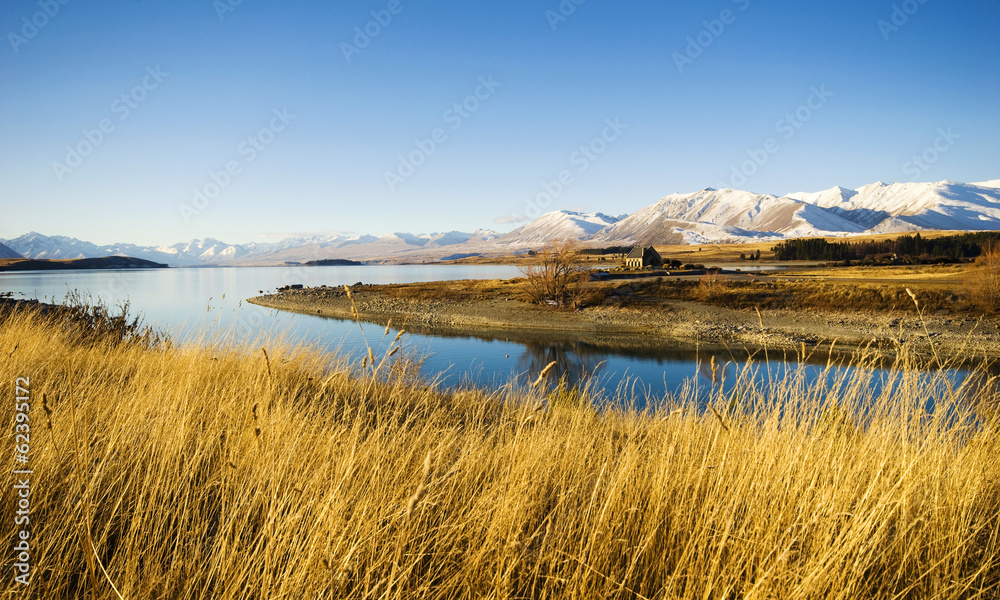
154	123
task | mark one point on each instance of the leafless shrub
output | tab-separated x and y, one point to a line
553	277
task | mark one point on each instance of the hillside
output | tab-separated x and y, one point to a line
6	252
107	262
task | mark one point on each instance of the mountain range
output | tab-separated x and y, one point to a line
703	217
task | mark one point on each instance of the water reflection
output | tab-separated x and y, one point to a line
574	367
176	299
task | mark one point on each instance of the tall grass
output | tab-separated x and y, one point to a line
222	472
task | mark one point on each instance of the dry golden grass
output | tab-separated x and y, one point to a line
454	290
219	472
836	289
830	295
945	274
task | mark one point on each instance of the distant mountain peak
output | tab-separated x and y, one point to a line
706	216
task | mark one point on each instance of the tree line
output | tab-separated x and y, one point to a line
949	248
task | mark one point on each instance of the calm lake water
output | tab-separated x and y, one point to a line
190	304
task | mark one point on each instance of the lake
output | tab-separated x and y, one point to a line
191	304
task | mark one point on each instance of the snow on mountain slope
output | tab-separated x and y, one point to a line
448	238
672	231
555	226
723	215
832	196
404	238
36	245
941	205
874	208
394	246
195	252
209	250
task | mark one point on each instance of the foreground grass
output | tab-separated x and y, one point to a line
219	472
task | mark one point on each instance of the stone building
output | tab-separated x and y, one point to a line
641	257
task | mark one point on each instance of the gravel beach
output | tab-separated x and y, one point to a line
669	324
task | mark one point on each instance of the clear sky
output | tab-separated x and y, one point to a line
158	122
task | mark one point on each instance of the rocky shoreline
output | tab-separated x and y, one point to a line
671	324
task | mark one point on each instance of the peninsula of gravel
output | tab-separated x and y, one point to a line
496	309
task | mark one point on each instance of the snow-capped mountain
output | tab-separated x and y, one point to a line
902	206
210	250
195	252
722	215
36	245
554	226
734	215
6	252
398	246
703	217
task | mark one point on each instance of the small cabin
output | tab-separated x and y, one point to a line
641	257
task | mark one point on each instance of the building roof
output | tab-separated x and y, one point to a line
635	252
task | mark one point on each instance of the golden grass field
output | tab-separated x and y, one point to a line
879	289
221	471
707	253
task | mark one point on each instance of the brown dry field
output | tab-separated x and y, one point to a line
708	253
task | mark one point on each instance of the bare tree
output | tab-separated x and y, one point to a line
553	275
982	284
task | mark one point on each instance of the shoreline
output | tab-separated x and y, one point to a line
673	324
